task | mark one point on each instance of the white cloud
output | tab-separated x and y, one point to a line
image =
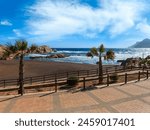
54	19
17	32
144	28
5	23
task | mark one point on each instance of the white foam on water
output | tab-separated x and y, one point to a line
80	56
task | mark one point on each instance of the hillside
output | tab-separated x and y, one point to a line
142	44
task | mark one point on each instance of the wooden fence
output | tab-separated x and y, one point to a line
84	76
51	77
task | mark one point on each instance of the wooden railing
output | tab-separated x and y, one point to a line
83	75
51	77
45	78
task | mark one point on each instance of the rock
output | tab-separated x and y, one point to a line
44	49
120	61
89	54
11	57
54	50
97	62
131	62
61	55
36	57
148	57
52	56
56	56
41	50
1	51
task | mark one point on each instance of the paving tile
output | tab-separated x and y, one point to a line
145	84
3	105
124	98
134	106
79	99
133	90
109	94
33	104
147	99
95	110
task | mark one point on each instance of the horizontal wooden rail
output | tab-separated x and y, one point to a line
59	76
57	82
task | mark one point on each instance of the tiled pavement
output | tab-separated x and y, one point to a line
133	97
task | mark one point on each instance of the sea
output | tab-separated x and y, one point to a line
78	55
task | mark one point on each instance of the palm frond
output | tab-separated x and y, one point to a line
110	55
101	49
21	45
94	51
10	47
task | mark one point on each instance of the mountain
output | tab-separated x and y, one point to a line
142	44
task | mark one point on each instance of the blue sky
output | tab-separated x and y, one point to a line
75	23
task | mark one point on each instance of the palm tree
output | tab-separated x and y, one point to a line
19	49
99	53
33	48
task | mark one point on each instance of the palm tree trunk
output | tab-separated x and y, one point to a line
21	88
100	70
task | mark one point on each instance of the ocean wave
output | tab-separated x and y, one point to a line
37	55
79	55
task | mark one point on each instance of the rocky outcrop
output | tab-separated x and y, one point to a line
148	57
130	62
56	56
38	50
89	54
1	51
42	49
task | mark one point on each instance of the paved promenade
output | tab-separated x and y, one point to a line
133	97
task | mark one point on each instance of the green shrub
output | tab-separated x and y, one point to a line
72	81
114	77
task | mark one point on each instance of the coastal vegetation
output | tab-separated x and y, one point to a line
19	49
99	52
72	81
114	77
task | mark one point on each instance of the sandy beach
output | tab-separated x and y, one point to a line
9	69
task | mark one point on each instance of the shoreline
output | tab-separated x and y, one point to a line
9	69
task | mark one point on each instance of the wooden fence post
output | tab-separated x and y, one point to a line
143	68
31	80
4	83
83	83
99	80
126	78
97	71
55	82
67	74
43	78
147	74
107	79
139	76
87	72
78	74
106	71
115	68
